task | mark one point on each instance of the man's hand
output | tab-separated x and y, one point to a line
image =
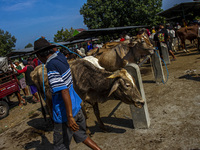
68	105
72	124
12	66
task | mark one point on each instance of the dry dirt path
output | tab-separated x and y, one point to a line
174	110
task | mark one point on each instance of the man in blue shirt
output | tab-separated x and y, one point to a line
68	118
89	47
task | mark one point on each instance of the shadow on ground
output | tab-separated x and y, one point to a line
110	121
44	144
39	126
148	81
195	77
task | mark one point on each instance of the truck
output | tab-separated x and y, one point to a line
8	86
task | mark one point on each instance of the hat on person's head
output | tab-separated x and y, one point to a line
167	24
16	61
42	44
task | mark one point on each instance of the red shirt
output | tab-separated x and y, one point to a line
122	39
35	61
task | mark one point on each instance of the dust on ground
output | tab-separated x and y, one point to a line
174	110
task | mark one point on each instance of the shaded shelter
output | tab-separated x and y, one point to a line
92	33
181	11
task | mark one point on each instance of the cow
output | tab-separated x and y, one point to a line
111	57
115	55
190	33
96	85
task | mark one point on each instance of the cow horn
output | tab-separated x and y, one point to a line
123	71
114	88
114	75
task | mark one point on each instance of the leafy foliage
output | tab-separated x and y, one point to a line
115	13
28	45
63	35
7	42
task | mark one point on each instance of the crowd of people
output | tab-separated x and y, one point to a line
23	69
164	35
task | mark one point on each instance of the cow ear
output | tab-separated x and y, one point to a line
114	88
120	51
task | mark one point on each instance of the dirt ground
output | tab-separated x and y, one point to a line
174	110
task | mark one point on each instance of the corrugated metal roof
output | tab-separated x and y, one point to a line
104	31
180	9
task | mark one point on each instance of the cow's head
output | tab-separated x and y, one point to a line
124	88
143	44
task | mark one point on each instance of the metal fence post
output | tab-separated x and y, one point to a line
140	116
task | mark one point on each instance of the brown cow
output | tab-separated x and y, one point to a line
95	85
189	33
116	55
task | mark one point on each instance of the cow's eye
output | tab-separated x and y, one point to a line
128	85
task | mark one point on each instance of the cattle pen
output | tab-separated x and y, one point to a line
173	109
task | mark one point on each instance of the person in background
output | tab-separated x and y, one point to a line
68	117
127	37
19	97
153	30
30	62
148	32
21	78
122	38
163	37
39	62
89	47
177	27
27	70
171	33
156	40
35	60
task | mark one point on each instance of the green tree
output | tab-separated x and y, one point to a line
63	35
28	45
7	42
115	13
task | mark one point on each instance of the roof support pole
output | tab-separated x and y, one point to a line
183	13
